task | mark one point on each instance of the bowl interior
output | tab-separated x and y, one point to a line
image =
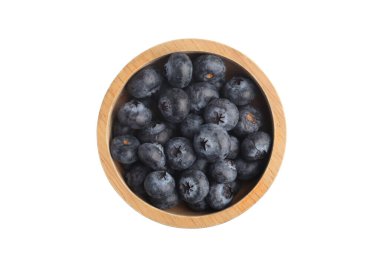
259	102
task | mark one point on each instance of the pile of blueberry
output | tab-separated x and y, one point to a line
186	134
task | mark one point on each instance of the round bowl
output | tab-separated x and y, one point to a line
180	216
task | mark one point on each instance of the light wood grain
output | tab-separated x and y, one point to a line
178	217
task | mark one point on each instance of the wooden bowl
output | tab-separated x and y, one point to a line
251	191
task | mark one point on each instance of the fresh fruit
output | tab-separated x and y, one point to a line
155	132
134	114
179	153
159	184
165	202
200	94
212	142
193	186
223	171
240	90
178	70
200	164
124	149
191	125
247	170
144	83
220	195
209	68
256	146
222	112
250	120
135	177
174	105
120	130
199	206
234	148
152	155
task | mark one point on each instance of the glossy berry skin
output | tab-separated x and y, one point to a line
212	142
179	153
234	148
221	112
174	105
247	170
256	146
179	70
209	68
155	132
135	177
200	94
144	83
240	90
120	130
152	155
159	184
223	171
193	186
199	206
200	164
220	195
191	125
166	202
250	120
124	149
134	114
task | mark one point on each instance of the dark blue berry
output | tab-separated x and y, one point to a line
144	83
212	142
191	125
166	202
255	146
209	68
134	114
220	195
159	184
174	105
200	164
155	132
240	90
120	130
200	95
234	148
152	155
247	170
124	149
193	186
223	171
179	153
235	186
135	177
222	112
199	206
178	70
250	120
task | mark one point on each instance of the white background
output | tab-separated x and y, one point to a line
57	60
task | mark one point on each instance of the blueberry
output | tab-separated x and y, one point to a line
250	120
166	202
200	164
134	114
212	142
120	130
200	94
191	125
152	155
135	177
179	153
144	83
159	184
235	186
255	146
240	90
193	186
247	170
220	195
123	149
174	105
234	148
199	206
155	132
222	112
209	68
179	70
223	171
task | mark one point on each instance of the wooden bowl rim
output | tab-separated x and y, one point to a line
104	132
